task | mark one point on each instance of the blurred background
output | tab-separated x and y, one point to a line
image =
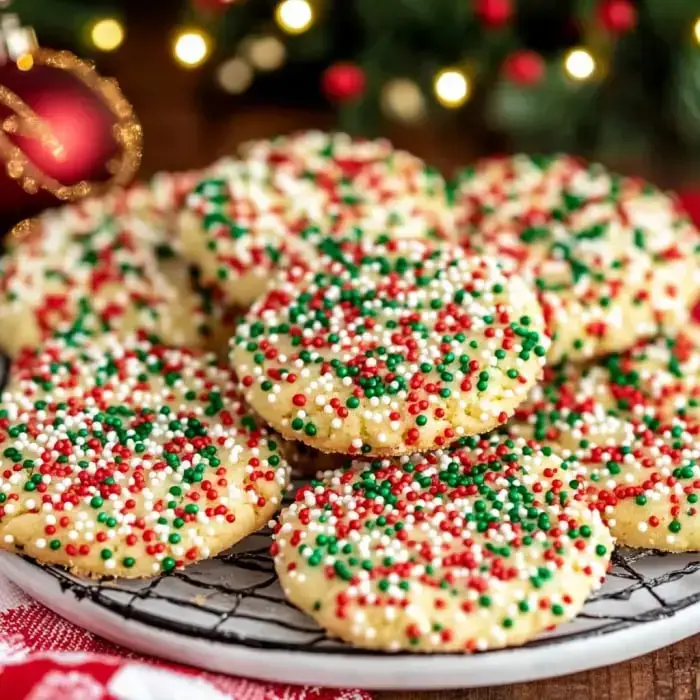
451	80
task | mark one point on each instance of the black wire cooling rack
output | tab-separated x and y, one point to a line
236	599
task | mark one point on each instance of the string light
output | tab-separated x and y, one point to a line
294	16
696	30
234	75
265	53
451	88
107	34
579	64
403	100
192	48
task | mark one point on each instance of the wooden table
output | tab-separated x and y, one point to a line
178	135
668	674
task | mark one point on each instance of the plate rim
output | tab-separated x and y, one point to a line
379	672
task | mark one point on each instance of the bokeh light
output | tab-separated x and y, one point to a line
451	88
107	34
192	48
579	64
294	16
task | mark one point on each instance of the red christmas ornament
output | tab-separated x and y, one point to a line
494	13
78	119
524	67
343	82
617	16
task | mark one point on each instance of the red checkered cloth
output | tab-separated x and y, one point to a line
44	657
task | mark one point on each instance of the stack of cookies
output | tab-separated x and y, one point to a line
494	377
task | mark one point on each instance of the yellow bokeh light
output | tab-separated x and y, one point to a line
294	16
25	62
579	64
451	88
696	30
192	48
107	34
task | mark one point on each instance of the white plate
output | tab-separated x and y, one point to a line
229	615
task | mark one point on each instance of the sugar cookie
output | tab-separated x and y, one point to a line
390	346
89	283
373	182
642	475
130	459
460	550
625	448
499	187
239	228
661	376
614	259
149	207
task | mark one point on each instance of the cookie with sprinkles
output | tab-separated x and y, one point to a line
364	180
461	550
246	219
151	210
659	378
130	459
613	258
569	395
495	187
626	446
160	197
390	346
643	475
149	207
90	283
239	227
